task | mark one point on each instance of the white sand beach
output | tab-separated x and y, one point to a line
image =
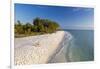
38	49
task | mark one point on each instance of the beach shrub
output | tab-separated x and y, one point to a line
39	26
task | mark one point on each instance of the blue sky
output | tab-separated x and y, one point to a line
67	17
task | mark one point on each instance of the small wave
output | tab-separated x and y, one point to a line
63	54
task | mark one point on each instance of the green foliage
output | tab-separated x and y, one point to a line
19	28
39	26
45	25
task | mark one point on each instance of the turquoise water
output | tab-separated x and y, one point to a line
81	47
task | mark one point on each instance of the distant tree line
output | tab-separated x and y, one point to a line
39	26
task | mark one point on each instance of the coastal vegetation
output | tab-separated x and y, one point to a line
39	26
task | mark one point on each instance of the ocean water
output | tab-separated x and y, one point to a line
81	47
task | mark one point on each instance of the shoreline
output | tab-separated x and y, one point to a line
60	55
26	51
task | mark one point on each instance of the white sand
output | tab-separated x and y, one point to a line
37	49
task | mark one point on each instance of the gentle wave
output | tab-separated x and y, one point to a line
63	54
